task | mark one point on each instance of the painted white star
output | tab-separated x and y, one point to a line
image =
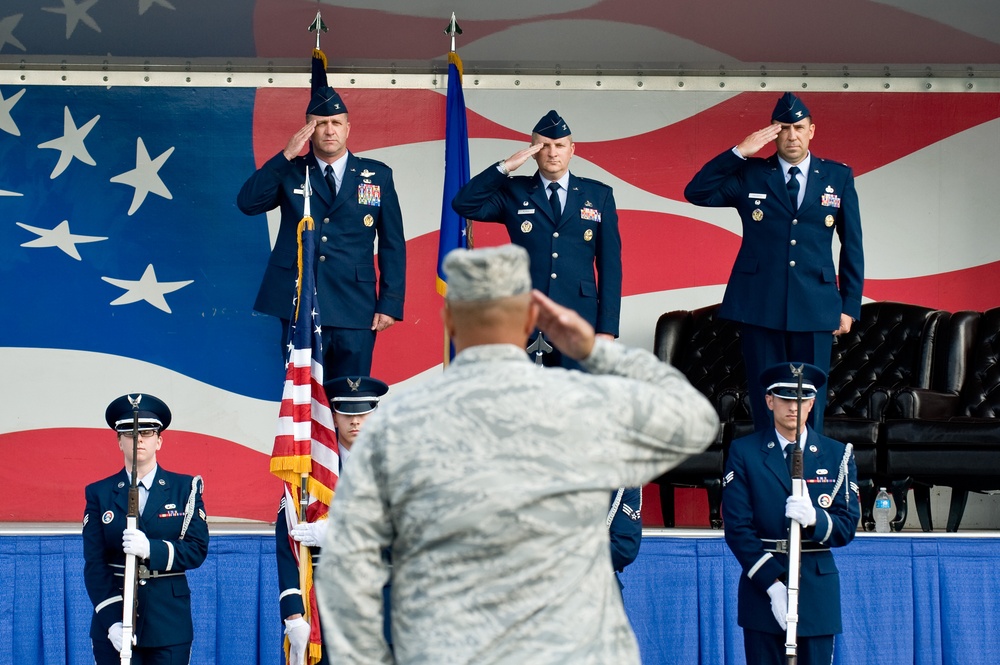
4	192
7	123
58	237
146	288
144	5
7	26
74	14
70	144
145	176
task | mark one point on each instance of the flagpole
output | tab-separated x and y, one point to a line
452	31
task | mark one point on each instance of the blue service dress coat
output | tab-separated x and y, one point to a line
164	599
625	527
366	207
564	253
784	277
755	487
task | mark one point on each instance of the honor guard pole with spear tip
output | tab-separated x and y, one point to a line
318	26
795	533
304	491
539	347
130	590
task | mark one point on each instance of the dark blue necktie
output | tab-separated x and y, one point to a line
554	201
331	180
793	186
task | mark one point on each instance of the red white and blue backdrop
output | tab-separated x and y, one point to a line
127	267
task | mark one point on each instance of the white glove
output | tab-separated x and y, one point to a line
135	542
297	631
115	635
310	534
779	603
800	509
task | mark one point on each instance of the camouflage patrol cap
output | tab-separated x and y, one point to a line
487	274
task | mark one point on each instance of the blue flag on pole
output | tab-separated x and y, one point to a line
456	169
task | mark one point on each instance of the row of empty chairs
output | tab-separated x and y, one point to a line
915	389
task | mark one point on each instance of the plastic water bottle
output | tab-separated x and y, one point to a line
883	507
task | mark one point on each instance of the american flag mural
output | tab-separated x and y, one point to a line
125	265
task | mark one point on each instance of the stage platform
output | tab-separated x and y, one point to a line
910	598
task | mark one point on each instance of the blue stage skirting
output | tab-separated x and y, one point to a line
907	600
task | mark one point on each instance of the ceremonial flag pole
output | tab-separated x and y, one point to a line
455	231
305	454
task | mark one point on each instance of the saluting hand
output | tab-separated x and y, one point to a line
567	330
753	143
521	156
299	140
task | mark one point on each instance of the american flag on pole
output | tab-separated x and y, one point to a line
305	453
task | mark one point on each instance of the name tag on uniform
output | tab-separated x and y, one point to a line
526	211
754	195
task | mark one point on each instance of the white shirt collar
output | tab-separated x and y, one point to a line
803	166
339	166
563	181
147	480
785	442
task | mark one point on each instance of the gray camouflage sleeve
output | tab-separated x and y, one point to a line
662	418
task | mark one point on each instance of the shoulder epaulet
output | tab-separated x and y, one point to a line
373	162
591	181
831	162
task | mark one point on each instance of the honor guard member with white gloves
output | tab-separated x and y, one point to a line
784	289
571	234
353	204
171	538
352	400
757	507
491	482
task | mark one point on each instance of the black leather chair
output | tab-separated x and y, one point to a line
706	350
890	348
951	437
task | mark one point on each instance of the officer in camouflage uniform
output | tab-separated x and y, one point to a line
491	482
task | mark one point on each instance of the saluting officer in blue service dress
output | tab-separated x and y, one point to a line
784	287
757	507
568	239
625	527
171	538
352	400
352	206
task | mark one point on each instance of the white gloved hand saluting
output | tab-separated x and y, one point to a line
297	631
310	534
800	509
115	635
779	603
135	542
